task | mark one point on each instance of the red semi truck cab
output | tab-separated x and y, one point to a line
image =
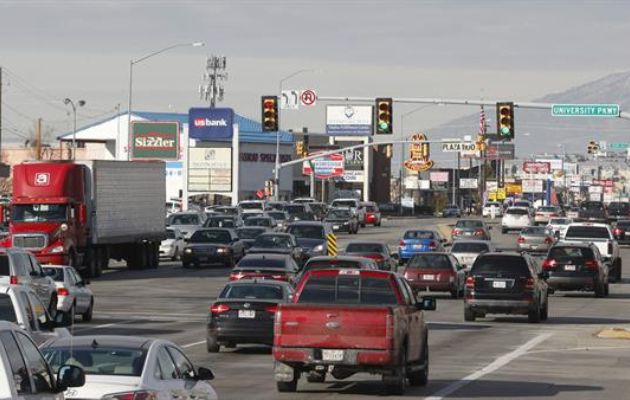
347	321
49	210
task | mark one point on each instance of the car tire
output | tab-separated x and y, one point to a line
185	265
454	293
600	290
618	271
421	376
503	230
398	388
534	314
544	314
52	307
175	255
87	315
606	289
212	346
290	386
229	264
70	316
316	377
469	314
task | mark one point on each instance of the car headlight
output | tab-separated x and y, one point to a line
57	249
319	247
346	223
188	250
222	250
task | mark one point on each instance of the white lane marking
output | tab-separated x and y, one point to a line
579	349
185	346
490	368
88	328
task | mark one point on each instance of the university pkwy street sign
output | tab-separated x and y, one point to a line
585	110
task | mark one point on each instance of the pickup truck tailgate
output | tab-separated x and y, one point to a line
333	326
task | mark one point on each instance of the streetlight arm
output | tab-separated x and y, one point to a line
155	53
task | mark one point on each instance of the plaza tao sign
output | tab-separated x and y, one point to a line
585	110
154	140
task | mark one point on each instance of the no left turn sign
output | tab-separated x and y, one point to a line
308	97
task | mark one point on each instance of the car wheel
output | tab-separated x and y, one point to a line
212	346
455	293
503	230
87	315
534	314
469	314
70	315
421	377
185	265
544	314
52	307
618	271
175	255
398	387
606	289
600	290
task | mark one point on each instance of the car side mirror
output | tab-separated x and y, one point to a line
427	304
204	374
70	376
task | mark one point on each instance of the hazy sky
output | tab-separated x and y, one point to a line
517	50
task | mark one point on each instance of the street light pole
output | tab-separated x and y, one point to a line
139	60
79	103
276	173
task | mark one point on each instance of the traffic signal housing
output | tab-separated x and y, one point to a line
593	147
384	116
505	120
299	148
269	111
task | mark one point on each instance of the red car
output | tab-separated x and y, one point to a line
437	272
280	267
372	213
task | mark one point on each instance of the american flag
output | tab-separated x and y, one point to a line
482	122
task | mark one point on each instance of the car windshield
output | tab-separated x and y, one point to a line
273	242
184	219
332	264
317	207
295	208
370	208
220	222
5	267
262	262
38	212
466	223
257	222
347	289
419	235
254	291
307	231
592	205
170	234
209	236
344	203
547	209
614	206
249	233
97	360
559	221
278	216
493	265
55	273
493	205
7	313
588	232
521	204
451	207
429	261
535	231
517	211
620	224
365	248
338	214
251	206
469	247
570	253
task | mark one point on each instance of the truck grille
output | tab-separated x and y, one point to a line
30	241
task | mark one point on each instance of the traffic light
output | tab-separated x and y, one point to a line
388	151
270	121
384	116
299	148
593	147
505	120
305	150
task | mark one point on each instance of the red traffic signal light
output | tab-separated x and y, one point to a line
384	116
270	121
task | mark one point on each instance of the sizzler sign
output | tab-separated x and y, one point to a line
155	140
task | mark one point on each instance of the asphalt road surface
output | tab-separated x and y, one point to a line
492	358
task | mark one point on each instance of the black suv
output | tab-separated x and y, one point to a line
593	211
506	283
577	267
618	210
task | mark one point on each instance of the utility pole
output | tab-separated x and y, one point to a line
211	89
38	139
0	110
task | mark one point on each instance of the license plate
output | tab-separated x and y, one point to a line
467	233
246	314
428	277
332	355
499	284
335	226
569	267
417	246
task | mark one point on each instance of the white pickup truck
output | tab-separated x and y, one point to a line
601	236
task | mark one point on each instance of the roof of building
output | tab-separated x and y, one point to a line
116	126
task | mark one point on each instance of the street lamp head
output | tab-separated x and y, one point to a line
197	44
67	101
81	103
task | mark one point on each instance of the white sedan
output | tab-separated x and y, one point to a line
173	246
516	218
559	226
73	295
130	367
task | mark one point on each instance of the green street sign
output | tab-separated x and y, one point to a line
154	140
618	146
585	110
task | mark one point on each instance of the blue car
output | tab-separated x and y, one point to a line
417	241
451	211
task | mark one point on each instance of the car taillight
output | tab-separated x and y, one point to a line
529	284
375	257
591	264
548	240
401	243
617	231
470	282
13	280
219	308
554	215
479	232
520	239
139	395
272	309
433	245
280	277
63	292
548	263
456	232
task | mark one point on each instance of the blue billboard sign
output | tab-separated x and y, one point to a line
208	124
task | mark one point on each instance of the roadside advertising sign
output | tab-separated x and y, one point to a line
154	140
207	124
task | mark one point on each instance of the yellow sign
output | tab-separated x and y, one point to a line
514	188
497	195
331	240
419	154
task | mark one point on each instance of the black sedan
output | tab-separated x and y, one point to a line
248	234
221	221
278	243
244	313
377	251
213	246
343	219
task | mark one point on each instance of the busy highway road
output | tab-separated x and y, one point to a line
494	357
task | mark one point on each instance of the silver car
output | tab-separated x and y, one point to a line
535	239
186	222
173	246
74	297
466	251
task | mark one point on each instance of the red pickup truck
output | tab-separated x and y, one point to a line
347	321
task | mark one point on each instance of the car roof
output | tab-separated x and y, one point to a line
502	253
593	224
268	282
271	233
210	228
266	256
55	266
367	242
131	342
310	223
341	257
